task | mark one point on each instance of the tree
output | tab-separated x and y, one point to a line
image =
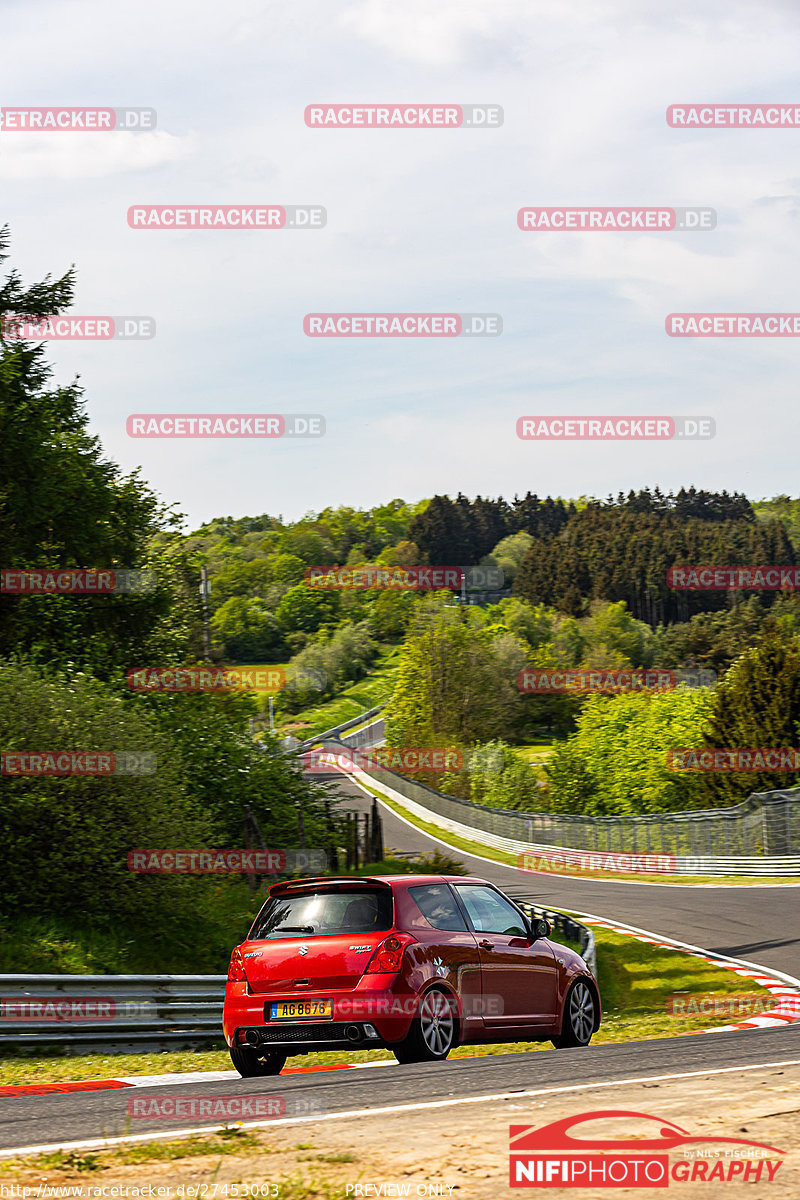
508	555
455	684
500	778
615	638
247	631
62	504
616	761
756	706
78	829
327	665
288	568
305	610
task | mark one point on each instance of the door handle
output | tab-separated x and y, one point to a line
484	945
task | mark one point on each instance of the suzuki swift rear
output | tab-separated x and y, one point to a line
396	961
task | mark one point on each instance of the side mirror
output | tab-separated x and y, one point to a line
540	928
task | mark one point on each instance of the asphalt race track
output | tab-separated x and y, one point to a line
58	1119
760	924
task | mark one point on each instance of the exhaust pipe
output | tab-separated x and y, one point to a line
251	1037
353	1033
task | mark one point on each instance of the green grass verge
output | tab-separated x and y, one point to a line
636	979
374	688
510	859
65	946
533	752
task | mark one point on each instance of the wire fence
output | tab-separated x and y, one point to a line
765	825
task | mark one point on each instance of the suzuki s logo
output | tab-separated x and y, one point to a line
303	950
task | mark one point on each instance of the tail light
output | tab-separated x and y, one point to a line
388	957
236	969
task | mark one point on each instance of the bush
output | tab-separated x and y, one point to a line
66	839
499	778
616	761
325	667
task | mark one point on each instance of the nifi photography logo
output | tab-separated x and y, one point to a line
565	1155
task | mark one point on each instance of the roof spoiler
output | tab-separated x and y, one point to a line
291	883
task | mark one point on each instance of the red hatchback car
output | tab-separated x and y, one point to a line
412	963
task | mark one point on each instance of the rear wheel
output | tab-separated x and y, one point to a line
252	1060
434	1030
578	1023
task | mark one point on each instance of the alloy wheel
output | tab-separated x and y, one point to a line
437	1024
581	1014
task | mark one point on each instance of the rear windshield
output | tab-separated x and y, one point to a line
315	914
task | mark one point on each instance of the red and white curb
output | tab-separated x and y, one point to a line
785	988
149	1081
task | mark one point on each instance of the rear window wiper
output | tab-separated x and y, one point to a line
295	929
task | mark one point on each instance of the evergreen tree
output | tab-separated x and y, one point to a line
756	706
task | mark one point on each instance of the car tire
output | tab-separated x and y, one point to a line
434	1030
250	1061
578	1021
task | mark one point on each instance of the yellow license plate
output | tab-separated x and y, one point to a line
303	1010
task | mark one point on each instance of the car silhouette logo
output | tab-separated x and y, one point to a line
666	1135
303	950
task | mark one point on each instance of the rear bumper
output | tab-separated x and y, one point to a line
381	1016
311	1036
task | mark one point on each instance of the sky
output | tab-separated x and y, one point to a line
418	220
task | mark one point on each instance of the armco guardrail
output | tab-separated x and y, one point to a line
565	927
337	729
371	735
111	1012
760	836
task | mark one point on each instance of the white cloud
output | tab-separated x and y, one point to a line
69	155
417	221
